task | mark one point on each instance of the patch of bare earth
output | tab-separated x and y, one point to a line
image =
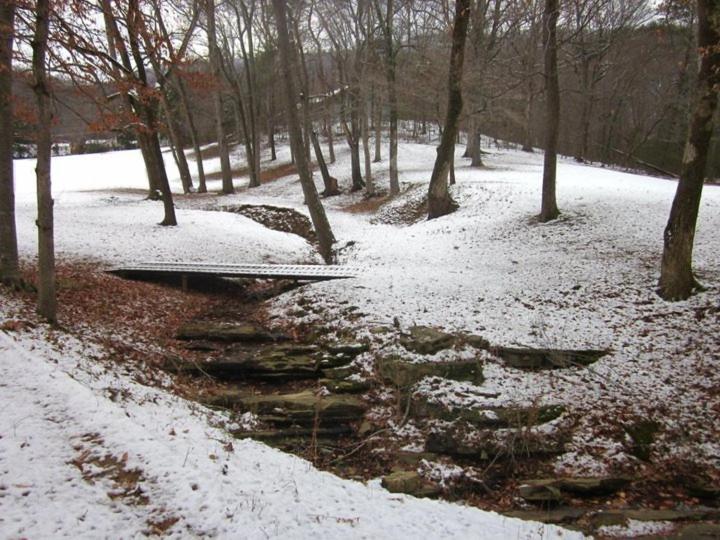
123	483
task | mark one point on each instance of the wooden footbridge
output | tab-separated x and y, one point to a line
298	272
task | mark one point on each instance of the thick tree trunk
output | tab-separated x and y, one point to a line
470	135
676	277
147	111
475	150
150	166
9	267
439	201
47	301
330	183
227	182
317	212
549	209
169	207
353	139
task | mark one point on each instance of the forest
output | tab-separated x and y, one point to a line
461	255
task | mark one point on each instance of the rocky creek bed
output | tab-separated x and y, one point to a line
360	408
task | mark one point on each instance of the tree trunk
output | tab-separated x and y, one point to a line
676	277
378	129
9	266
529	102
549	209
330	183
329	133
475	150
176	141
353	139
439	201
248	54
365	135
147	110
227	183
586	109
156	151
47	301
390	76
317	212
470	135
180	86
452	167
393	118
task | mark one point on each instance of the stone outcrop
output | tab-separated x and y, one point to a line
527	358
404	374
410	483
426	340
227	332
553	490
421	406
462	439
302	408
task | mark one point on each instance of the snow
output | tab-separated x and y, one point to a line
57	413
584	281
87	451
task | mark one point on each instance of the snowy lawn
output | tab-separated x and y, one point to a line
585	281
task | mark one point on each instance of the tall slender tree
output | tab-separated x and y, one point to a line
385	21
9	267
215	63
549	209
47	302
440	202
677	281
312	199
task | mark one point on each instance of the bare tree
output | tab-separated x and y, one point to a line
47	302
440	202
312	199
385	20
549	209
9	267
215	63
676	277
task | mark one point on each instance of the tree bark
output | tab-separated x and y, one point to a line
9	265
227	182
527	117
317	212
475	150
378	128
176	141
330	183
47	301
470	135
353	139
439	201
365	135
180	86
549	209
676	277
329	133
147	110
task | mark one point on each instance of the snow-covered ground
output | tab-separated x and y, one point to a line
584	281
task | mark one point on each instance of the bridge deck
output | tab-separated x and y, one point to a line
309	272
